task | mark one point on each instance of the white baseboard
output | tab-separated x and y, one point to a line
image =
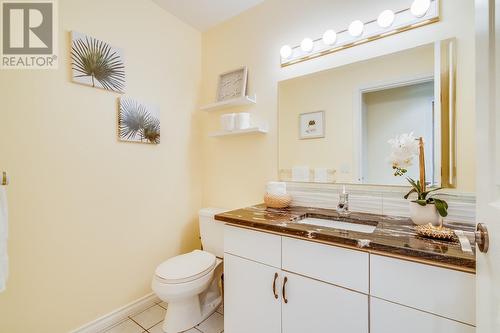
119	315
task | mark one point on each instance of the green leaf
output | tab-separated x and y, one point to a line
424	194
409	193
415	185
441	206
421	202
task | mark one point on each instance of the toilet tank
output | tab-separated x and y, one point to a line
211	231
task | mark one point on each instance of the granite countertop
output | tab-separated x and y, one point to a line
393	236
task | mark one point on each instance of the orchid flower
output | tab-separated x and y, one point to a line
404	148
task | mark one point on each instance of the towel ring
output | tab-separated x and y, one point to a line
5	180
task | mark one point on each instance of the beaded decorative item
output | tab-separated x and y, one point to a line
431	231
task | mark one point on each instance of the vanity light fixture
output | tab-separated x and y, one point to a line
356	28
307	45
286	52
329	37
387	23
420	7
386	18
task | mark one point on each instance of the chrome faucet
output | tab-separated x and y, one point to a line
343	205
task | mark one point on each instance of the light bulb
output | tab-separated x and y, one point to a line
286	52
420	7
356	28
329	37
386	18
307	45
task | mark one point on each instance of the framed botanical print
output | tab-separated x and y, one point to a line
312	125
232	84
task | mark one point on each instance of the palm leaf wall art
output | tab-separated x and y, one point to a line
95	63
138	122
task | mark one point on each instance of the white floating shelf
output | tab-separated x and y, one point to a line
240	101
238	132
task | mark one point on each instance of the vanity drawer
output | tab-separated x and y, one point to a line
440	291
254	245
332	264
386	317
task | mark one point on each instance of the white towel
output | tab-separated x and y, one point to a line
4	232
320	175
300	173
276	188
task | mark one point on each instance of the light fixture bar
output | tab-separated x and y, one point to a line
420	13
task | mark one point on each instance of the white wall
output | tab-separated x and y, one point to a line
392	112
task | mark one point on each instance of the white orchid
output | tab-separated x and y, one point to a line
404	149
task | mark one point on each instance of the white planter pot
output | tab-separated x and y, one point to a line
424	214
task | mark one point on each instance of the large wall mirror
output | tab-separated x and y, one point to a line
334	125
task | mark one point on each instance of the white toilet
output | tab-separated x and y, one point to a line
189	283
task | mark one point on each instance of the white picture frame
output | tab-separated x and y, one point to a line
232	84
312	125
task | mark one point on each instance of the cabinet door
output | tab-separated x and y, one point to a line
444	292
314	306
388	317
250	305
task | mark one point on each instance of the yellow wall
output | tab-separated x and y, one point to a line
236	169
334	91
90	217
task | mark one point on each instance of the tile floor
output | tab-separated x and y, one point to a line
151	320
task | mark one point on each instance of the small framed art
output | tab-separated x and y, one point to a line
232	84
312	125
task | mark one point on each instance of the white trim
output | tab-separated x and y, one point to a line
437	113
118	315
389	84
358	115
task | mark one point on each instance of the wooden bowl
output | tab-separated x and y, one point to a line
277	201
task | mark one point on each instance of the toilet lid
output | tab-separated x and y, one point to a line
186	267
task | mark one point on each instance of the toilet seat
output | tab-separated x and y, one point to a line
186	267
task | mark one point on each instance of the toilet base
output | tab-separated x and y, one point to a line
184	314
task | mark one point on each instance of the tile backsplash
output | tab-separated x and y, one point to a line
386	200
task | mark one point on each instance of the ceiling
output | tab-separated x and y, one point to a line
204	14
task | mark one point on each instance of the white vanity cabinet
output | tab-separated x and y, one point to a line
278	284
260	295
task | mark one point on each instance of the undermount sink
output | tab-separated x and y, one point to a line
364	228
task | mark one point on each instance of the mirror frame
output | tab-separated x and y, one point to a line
445	52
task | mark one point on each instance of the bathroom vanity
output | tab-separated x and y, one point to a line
290	271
